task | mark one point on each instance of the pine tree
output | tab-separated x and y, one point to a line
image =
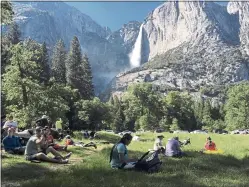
44	63
118	120
14	34
75	69
58	63
89	89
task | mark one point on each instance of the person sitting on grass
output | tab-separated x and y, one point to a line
10	123
69	141
119	154
43	121
32	153
173	148
91	135
12	143
51	142
158	145
210	145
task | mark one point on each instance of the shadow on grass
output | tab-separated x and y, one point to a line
23	171
196	170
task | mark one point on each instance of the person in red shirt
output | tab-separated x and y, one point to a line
210	145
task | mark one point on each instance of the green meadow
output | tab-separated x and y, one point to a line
90	167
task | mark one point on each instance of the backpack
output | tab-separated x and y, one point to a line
151	164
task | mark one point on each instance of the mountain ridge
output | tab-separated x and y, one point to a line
180	40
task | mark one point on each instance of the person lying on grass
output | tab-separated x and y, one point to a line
51	142
32	153
69	141
12	143
158	145
119	154
173	148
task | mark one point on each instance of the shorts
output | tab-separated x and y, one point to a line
31	157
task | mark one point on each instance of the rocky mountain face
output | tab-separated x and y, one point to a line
241	8
51	21
191	44
185	45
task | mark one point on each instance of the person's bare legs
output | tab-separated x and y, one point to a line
56	153
43	157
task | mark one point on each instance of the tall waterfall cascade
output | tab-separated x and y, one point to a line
135	55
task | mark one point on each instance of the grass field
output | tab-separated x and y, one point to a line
90	167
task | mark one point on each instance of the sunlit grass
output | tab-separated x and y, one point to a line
90	167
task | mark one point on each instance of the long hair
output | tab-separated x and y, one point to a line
125	137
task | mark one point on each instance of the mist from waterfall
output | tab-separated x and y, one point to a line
135	55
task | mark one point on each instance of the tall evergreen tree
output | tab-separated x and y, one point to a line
74	68
14	34
58	63
89	89
44	63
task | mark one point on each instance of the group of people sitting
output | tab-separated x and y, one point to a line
173	146
119	158
39	145
37	148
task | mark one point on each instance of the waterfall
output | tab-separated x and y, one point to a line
135	55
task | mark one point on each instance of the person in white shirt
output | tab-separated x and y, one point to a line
10	123
158	145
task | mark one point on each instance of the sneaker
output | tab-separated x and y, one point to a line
64	161
68	155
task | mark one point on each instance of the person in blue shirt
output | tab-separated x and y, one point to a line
119	155
12	143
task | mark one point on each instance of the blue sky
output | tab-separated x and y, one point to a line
115	14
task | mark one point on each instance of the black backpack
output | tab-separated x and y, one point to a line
149	162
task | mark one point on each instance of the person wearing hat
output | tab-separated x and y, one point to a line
38	140
12	143
158	144
43	121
